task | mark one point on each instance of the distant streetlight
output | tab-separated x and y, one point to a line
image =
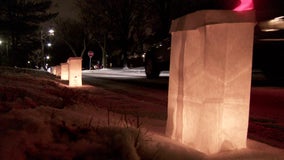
43	37
51	32
49	44
6	46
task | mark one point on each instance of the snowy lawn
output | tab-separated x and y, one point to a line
42	118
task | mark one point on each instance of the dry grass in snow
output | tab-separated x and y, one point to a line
41	118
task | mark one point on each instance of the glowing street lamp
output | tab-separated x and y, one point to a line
6	46
51	32
49	44
43	37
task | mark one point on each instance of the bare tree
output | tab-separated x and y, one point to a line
97	24
74	34
111	21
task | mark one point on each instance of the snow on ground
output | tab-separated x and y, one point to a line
124	72
42	118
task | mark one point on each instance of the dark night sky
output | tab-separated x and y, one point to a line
66	8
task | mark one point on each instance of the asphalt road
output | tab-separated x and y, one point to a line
141	88
149	98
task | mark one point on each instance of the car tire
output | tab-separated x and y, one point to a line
151	69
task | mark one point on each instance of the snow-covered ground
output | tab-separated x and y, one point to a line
123	72
42	118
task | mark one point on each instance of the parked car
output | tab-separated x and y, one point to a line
157	58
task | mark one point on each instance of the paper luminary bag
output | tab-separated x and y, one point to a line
210	79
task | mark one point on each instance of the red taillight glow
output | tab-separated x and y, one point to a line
245	5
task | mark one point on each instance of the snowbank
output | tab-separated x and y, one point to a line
41	118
